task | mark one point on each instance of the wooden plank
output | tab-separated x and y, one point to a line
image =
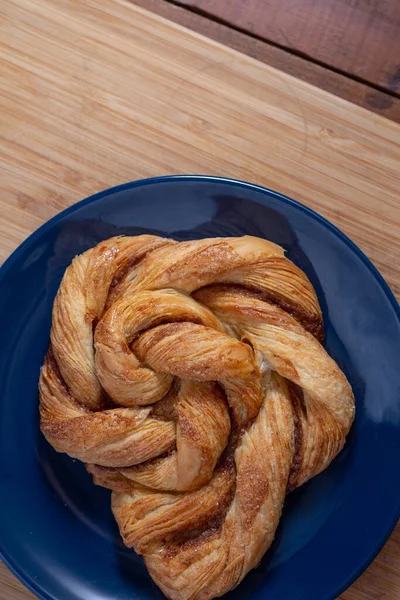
336	83
94	94
11	588
359	37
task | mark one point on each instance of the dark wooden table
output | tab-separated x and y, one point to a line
350	48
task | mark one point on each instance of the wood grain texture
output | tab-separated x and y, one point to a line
360	37
336	83
11	588
94	94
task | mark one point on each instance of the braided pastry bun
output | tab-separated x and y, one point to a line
191	380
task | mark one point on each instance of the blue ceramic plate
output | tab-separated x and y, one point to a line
57	531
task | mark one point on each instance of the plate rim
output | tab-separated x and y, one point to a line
26	579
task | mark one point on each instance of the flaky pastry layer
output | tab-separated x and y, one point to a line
191	379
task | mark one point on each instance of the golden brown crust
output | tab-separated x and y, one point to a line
191	379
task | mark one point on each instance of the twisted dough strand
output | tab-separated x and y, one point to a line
191	379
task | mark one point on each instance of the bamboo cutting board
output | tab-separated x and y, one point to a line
93	94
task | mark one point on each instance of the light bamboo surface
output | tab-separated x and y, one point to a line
93	94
